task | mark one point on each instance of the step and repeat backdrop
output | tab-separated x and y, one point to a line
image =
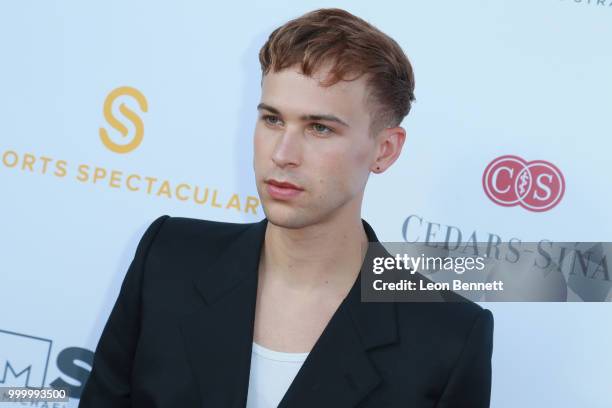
114	113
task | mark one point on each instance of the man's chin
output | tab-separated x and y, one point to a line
286	217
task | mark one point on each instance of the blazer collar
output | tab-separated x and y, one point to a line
219	334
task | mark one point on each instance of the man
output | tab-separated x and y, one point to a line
269	314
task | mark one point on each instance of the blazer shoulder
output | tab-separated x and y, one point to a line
451	320
201	228
194	238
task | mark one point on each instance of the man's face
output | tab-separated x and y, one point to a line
315	138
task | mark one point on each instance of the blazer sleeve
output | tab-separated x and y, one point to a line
108	384
469	385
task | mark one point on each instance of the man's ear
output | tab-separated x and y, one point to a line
389	144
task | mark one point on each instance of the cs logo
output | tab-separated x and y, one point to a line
129	114
536	185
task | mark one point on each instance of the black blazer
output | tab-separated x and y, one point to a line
181	331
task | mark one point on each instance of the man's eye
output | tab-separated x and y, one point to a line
271	119
322	129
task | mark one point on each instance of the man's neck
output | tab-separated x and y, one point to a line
327	255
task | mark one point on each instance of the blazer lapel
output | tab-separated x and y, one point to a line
337	372
219	335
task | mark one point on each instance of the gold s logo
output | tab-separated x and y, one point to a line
128	113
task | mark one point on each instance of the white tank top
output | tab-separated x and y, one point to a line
271	374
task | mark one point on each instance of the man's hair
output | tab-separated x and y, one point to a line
353	47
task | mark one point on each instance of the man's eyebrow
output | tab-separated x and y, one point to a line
330	118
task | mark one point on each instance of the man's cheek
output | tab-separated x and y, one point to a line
336	183
362	154
261	151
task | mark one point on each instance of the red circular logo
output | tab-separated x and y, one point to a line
536	185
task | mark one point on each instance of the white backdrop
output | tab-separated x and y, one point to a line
493	78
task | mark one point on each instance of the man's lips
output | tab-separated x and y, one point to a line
283	184
282	190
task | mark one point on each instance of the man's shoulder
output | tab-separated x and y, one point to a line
202	228
184	249
453	307
443	321
195	238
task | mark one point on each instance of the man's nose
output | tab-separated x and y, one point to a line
288	149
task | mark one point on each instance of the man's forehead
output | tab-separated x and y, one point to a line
290	88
